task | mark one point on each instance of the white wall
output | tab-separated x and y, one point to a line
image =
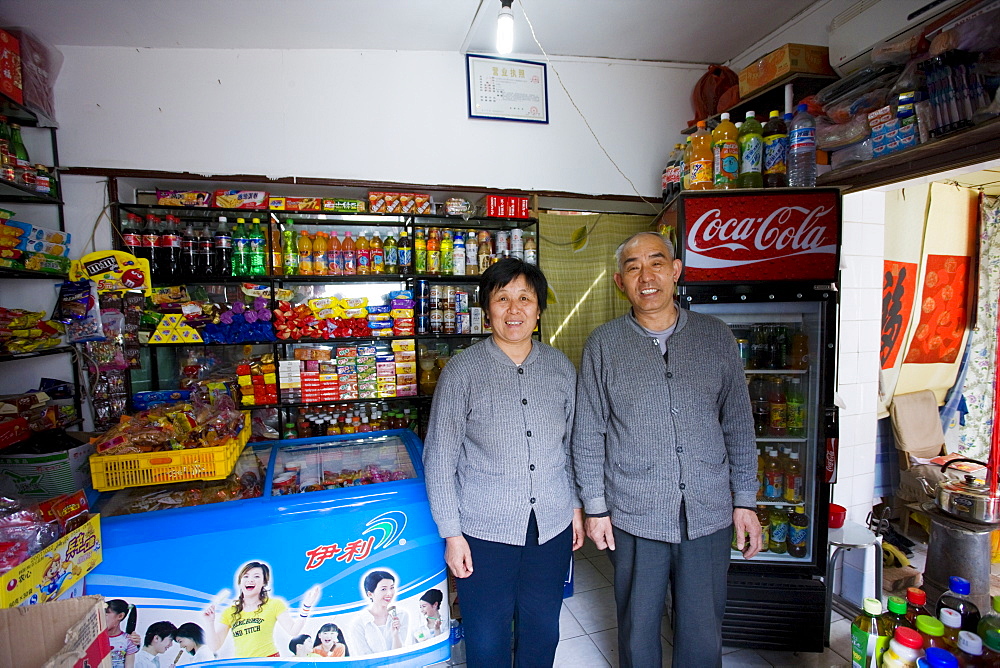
372	115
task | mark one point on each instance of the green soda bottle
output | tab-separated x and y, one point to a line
290	252
870	634
241	249
751	153
390	254
257	265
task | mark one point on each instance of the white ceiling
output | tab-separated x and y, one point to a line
694	31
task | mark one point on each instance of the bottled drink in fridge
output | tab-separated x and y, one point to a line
447	253
186	264
798	355
334	256
802	149
775	152
132	234
150	243
290	254
700	162
257	249
458	254
774	477
169	249
870	635
319	255
350	255
205	253
761	406
420	252
779	409
223	246
363	253
530	248
405	253
391	254
958	598
798	533
778	540
796	408
304	247
794	482
472	253
277	255
433	252
725	154
377	251
686	165
751	153
241	248
764	518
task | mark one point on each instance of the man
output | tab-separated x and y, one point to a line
665	459
159	638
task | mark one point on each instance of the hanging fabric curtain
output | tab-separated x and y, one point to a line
928	305
974	435
578	259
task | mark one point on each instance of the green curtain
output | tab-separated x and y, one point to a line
577	254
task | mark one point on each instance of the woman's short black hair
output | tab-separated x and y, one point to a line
505	271
373	578
118	606
432	596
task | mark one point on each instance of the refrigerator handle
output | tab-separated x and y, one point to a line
832	434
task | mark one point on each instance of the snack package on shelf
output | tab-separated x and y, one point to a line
192	315
26	331
331	318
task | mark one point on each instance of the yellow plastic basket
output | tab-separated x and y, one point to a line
113	472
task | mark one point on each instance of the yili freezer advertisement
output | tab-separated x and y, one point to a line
352	575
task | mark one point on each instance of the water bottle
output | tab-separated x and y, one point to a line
802	150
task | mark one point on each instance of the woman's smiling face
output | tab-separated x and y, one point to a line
384	592
253	581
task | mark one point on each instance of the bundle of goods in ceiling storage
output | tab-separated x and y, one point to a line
915	91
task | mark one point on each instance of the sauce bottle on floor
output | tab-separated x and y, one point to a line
905	648
958	598
869	636
916	604
970	651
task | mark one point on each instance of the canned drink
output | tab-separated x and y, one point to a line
423	306
502	244
423	324
463	323
449	297
461	301
744	347
436	294
517	243
449	321
423	290
437	320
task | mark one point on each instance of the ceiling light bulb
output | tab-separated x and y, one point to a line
505	28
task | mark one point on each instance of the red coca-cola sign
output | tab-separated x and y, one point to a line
739	237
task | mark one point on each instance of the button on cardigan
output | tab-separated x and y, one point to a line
497	445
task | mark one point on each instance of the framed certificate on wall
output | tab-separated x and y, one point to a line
507	89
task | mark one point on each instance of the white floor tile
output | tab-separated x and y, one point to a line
607	642
603	564
828	659
579	652
744	658
587	577
594	609
589	549
840	637
568	626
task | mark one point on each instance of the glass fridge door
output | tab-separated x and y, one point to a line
333	464
781	348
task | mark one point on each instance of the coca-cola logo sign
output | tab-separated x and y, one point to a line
790	235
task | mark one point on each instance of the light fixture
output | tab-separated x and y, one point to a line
505	28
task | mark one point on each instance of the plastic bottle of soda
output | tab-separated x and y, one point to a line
530	248
447	253
725	154
778	541
277	267
222	244
169	249
774	477
798	355
701	159
405	253
869	635
433	252
794	487
896	613
686	164
796	408
241	248
257	249
751	153
458	255
334	256
761	406
305	248
802	149
420	252
916	604
377	251
775	152
764	517
132	234
391	254
319	255
364	255
290	256
187	264
779	408
798	532
676	167
205	253
957	598
150	242
350	255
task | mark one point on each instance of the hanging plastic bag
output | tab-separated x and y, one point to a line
709	89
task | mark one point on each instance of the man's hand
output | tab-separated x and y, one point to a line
746	522
599	530
458	556
578	533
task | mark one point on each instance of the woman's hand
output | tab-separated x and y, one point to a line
209	613
578	533
135	638
458	556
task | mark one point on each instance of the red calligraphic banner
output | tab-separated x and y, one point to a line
745	237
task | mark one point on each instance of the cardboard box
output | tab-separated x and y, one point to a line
10	67
62	634
48	475
802	58
44	576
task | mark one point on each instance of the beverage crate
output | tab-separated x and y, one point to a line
113	472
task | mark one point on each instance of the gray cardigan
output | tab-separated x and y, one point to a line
647	434
497	444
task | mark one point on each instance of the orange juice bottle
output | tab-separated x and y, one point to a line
364	254
319	254
276	258
335	256
377	253
433	252
305	254
350	257
701	159
726	154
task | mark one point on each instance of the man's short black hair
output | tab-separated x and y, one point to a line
505	271
162	629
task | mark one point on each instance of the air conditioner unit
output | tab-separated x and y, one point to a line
868	22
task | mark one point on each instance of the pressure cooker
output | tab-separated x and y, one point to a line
968	499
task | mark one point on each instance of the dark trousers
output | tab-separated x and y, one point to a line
696	569
519	585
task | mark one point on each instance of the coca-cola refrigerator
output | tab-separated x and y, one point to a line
766	262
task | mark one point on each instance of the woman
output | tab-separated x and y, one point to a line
330	642
124	646
253	617
498	476
191	638
434	623
380	627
